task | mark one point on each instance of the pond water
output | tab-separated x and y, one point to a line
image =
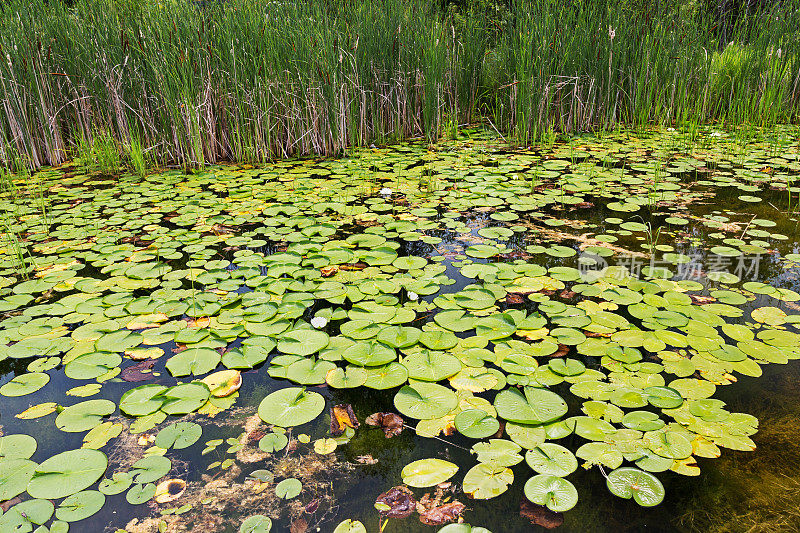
616	311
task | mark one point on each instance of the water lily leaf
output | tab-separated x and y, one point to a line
150	468
185	398
484	481
482	251
288	488
462	528
193	361
455	320
291	407
99	435
273	442
303	342
386	376
369	354
424	401
67	473
346	378
536	406
223	383
553	459
476	424
143	400
80	506
431	366
409	263
399	336
438	339
528	436
179	435
350	526
119	483
84	416
600	453
14	476
555	493
309	371
642	421
428	472
664	397
257	523
643	487
498	452
17	447
25	384
23	516
38	411
140	493
92	365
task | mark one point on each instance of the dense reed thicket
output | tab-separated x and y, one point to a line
248	80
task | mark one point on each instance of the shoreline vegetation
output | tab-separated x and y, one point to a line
147	83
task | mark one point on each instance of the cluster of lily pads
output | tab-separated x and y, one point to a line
453	279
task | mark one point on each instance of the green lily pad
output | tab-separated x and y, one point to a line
291	407
535	406
555	493
67	473
643	487
424	401
428	472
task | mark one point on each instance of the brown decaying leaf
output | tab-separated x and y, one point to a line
342	416
136	372
366	459
513	298
354	266
298	526
390	423
442	514
433	512
540	515
400	502
563	350
329	271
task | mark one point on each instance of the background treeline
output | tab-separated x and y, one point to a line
248	80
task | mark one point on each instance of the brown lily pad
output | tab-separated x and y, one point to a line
390	423
442	514
342	416
397	502
138	372
540	515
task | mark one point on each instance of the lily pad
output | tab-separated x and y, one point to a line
428	472
291	407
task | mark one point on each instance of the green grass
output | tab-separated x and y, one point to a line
252	80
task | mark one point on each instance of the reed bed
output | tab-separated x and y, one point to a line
173	81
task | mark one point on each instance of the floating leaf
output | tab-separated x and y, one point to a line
256	524
25	384
555	493
291	407
643	487
424	401
179	435
80	506
84	416
476	424
484	481
67	473
288	488
536	406
428	472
